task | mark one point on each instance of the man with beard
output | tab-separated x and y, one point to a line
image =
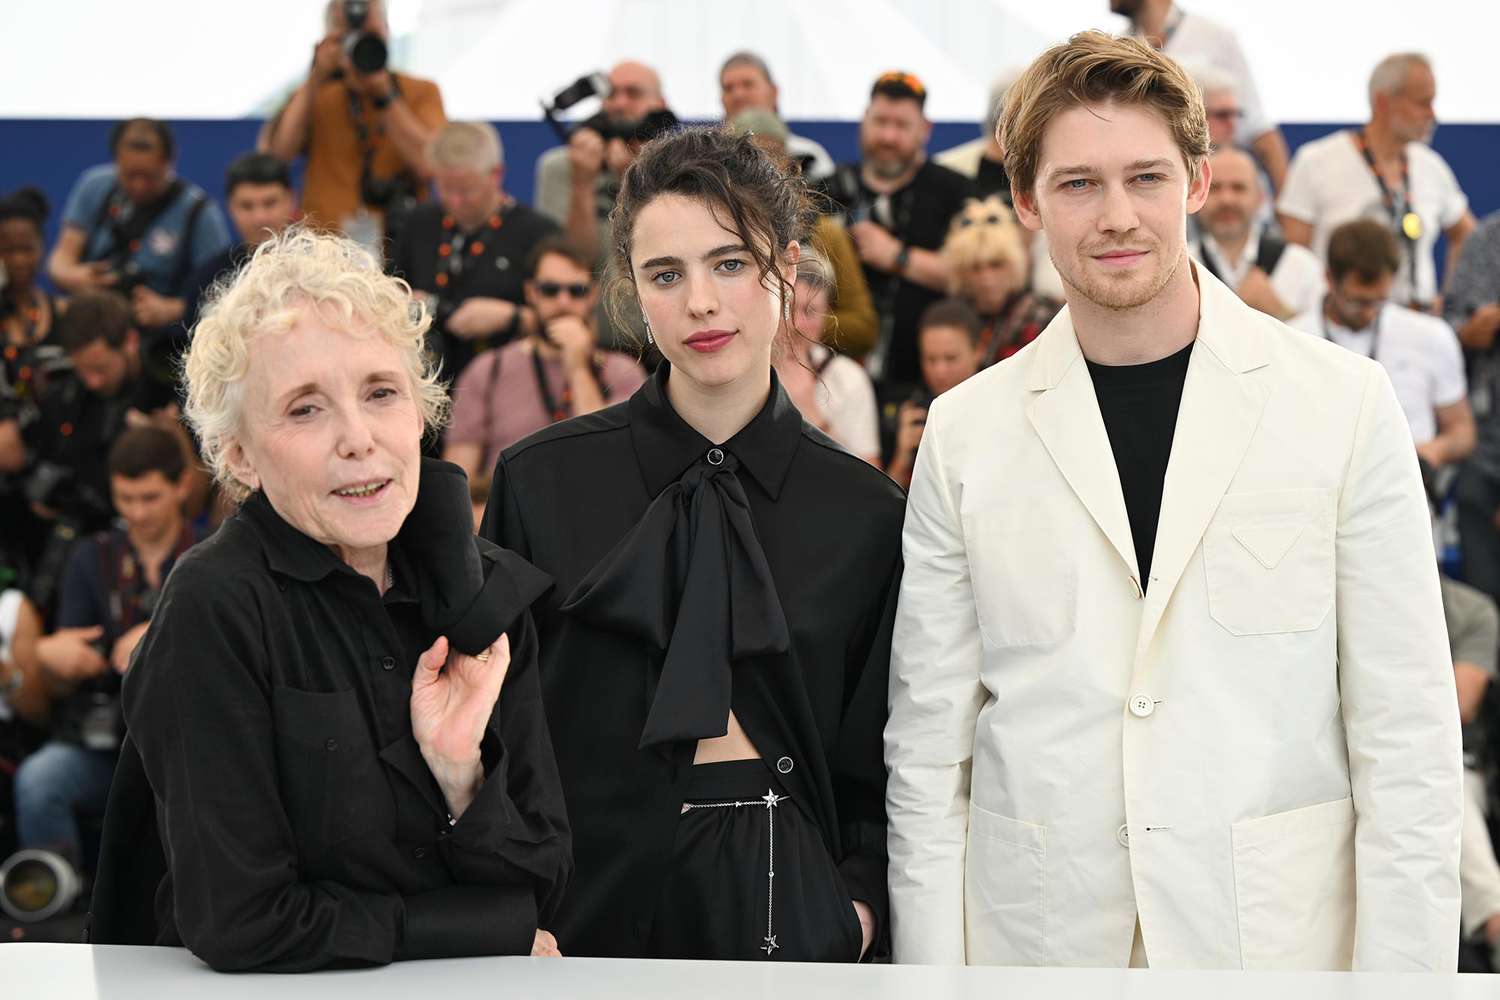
1278	278
1384	171
1195	40
898	206
1169	677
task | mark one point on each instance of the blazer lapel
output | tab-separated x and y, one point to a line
1216	421
1065	414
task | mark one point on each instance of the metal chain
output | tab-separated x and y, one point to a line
770	801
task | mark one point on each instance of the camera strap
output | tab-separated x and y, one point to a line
128	222
362	133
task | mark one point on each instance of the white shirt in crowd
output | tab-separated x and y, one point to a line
1330	183
1420	353
1297	278
1195	40
847	398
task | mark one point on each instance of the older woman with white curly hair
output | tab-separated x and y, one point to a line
337	705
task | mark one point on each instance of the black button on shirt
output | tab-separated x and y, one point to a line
1139	406
830	528
293	802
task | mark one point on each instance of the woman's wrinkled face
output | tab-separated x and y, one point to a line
332	432
711	313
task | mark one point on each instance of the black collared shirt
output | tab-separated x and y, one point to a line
270	701
830	528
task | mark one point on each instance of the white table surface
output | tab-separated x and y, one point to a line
84	972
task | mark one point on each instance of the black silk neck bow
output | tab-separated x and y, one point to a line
690	579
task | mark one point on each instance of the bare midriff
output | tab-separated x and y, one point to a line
733	745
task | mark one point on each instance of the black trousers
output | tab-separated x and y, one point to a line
751	878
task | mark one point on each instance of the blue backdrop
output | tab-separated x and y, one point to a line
51	154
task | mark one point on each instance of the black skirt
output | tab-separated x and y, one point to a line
750	877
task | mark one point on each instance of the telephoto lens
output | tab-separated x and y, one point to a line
37	885
366	50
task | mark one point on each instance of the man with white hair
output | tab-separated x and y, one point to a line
1278	278
1385	171
465	253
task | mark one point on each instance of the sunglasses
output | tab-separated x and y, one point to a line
552	289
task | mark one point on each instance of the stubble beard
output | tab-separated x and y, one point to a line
1119	296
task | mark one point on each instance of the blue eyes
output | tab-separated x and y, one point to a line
1083	183
665	278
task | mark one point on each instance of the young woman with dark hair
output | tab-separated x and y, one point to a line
715	653
27	311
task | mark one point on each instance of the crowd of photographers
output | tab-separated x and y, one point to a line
918	277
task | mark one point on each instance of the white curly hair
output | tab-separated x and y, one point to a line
288	274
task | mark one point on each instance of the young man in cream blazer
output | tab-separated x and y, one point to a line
1170	681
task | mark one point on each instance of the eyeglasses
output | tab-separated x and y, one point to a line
1229	114
898	79
552	289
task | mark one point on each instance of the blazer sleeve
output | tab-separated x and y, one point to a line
935	697
1400	715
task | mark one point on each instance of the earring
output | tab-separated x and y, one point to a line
786	309
649	338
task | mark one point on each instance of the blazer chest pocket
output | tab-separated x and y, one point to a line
332	783
1269	561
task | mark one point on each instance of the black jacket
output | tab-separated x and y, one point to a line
804	663
270	705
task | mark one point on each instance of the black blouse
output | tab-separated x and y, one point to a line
804	663
270	701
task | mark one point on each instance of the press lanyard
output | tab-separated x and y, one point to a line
1407	222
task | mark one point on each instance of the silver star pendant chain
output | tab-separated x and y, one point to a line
769	801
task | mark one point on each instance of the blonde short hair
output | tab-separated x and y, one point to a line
467	146
1095	68
288	274
983	231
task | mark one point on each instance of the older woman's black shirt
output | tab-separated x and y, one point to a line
302	828
830	527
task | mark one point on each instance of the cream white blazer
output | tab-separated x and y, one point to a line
1259	756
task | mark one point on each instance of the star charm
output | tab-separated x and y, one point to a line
771	798
770	944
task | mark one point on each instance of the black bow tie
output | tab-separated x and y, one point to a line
690	579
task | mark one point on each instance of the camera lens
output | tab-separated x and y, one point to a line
37	885
367	52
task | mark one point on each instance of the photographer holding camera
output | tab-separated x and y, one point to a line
576	183
109	590
466	254
81	413
134	227
363	127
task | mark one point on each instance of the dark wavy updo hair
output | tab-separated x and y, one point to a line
28	203
749	191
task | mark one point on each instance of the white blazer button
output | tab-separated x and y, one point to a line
784	765
1141	706
1123	835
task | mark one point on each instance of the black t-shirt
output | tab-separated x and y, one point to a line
992	179
495	271
1139	406
918	215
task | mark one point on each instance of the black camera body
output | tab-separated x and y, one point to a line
126	271
366	50
641	130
